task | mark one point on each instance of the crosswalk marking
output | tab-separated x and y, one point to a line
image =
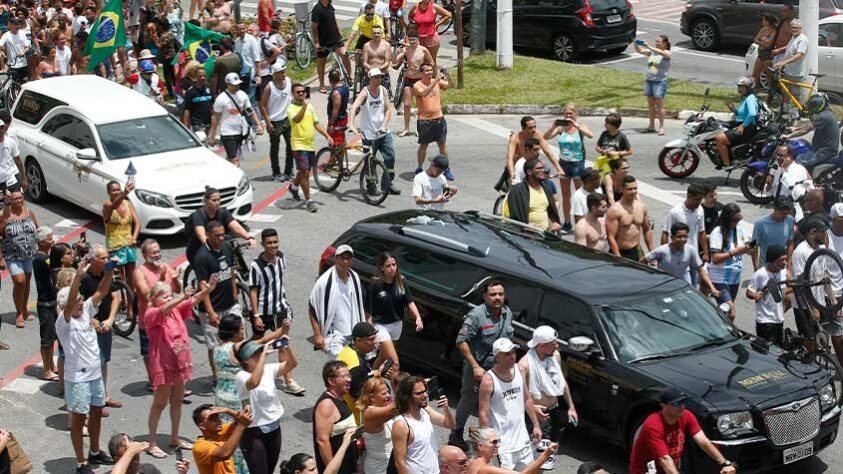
25	385
264	218
659	10
67	223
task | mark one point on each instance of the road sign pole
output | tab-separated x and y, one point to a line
458	26
809	15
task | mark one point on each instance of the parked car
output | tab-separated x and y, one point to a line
77	133
641	331
830	55
567	27
711	23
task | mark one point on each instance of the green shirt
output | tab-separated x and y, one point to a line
481	328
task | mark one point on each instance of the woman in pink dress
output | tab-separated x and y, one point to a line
170	364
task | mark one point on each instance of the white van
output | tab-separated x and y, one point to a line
77	133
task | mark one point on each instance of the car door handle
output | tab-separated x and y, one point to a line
829	55
39	144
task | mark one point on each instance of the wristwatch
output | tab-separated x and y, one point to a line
725	463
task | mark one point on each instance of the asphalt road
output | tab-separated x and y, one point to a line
32	409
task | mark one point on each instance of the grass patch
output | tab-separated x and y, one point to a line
537	81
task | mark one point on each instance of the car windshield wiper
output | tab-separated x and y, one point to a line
652	357
711	343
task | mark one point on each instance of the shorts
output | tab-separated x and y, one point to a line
104	340
304	159
738	139
657	89
47	315
397	12
361	41
338	136
16	267
144	342
517	460
81	396
430	41
430	131
271	322
389	331
773	332
327	48
212	339
125	255
334	342
572	169
410	82
728	292
633	254
551	186
232	144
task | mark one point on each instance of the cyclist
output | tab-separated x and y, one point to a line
381	9
516	149
396	9
15	48
375	112
337	109
327	37
826	140
745	117
378	55
415	55
361	30
211	211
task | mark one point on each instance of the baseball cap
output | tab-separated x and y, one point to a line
146	66
233	78
836	210
542	335
248	350
783	203
441	162
375	72
343	249
672	396
363	330
278	66
775	252
502	345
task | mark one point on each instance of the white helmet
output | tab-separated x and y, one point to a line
744	81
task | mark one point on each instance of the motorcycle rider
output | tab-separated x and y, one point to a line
826	140
745	117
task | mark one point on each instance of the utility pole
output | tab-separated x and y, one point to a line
504	34
809	15
478	26
458	26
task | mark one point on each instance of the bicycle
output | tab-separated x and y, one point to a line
359	75
779	96
449	5
303	48
332	167
10	90
396	33
398	96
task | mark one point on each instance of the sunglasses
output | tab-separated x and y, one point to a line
494	442
300	92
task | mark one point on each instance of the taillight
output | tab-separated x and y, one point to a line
631	14
584	13
326	255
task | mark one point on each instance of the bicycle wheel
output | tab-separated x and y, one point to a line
447	5
373	181
835	104
346	78
824	273
776	102
127	313
398	97
358	82
11	95
304	50
327	169
830	364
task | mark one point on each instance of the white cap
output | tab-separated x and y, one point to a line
146	54
375	72
542	335
233	78
837	210
278	66
502	345
343	249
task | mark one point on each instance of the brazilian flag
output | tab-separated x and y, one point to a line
107	34
197	42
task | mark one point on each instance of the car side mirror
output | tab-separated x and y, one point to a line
87	154
580	344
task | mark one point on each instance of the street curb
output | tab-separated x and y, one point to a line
509	109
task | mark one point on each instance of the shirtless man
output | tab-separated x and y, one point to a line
626	220
378	54
515	149
590	231
416	55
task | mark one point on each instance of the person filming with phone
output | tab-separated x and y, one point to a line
355	355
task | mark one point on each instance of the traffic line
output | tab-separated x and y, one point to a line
719	57
264	218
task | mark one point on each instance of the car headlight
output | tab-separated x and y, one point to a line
827	396
153	199
243	185
734	424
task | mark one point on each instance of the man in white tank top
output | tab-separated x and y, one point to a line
503	401
413	440
375	110
274	100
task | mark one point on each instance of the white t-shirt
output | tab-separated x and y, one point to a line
798	261
794	175
694	219
231	120
767	310
63	57
427	187
13	45
579	203
79	340
835	243
345	310
266	408
250	51
520	175
8	152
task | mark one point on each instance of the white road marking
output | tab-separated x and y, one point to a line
634	56
719	192
25	385
689	52
264	218
69	224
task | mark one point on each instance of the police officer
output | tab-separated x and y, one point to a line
482	326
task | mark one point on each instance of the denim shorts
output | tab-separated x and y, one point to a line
657	89
104	340
572	169
81	396
727	292
144	342
125	255
16	267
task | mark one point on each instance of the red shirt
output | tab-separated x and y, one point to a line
657	439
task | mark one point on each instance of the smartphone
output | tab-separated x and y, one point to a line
280	343
83	236
434	392
110	265
563	123
357	433
446	192
386	366
179	457
307	91
245	403
640	42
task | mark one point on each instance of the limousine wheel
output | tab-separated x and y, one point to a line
564	48
704	35
37	183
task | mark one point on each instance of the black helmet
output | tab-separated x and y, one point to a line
817	103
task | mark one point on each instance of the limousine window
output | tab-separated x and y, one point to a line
60	127
438	271
32	107
568	316
144	136
684	321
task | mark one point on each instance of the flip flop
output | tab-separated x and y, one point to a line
182	445
188	392
661	132
648	130
156	452
54	378
19	324
323	90
112	403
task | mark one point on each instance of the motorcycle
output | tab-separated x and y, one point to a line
681	157
753	180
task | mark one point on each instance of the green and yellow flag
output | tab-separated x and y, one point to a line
197	42
107	34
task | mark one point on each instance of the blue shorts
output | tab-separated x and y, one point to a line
727	292
304	159
125	255
551	186
16	267
657	89
81	396
572	169
104	341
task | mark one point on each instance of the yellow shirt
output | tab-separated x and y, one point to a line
302	133
538	208
365	26
352	360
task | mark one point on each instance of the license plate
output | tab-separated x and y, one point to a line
798	452
613	19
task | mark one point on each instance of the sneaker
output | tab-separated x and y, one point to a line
394	190
279	178
419	170
100	458
293	388
449	175
294	192
311	207
567	228
84	469
288	177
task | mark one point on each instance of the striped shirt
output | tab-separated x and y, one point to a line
268	278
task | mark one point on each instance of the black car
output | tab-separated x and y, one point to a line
566	28
638	331
711	23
